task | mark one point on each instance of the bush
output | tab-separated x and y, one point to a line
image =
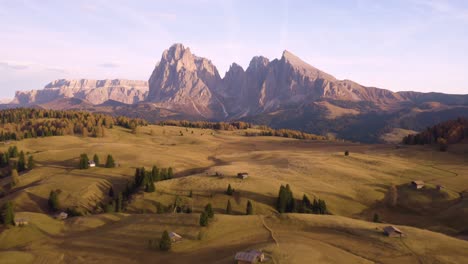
346	153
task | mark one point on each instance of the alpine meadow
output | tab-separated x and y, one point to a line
234	156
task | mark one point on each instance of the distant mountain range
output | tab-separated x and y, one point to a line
282	93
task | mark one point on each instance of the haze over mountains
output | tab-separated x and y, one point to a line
285	92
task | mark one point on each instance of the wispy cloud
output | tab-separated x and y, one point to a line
23	66
109	65
13	65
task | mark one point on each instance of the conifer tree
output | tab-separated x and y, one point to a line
209	211
203	219
322	207
229	190
111	192
110	163
190	194
21	162
31	162
150	187
165	243
5	160
84	162
249	209
155	174
163	173
53	201
13	151
229	207
285	202
96	160
14	178
8	214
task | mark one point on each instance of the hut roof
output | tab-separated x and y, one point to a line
250	256
173	235
390	229
418	182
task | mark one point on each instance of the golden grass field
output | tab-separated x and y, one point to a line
354	187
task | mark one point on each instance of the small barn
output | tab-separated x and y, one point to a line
417	184
242	175
248	257
175	237
91	164
440	187
61	216
21	222
392	231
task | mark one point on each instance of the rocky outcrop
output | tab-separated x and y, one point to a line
184	82
93	91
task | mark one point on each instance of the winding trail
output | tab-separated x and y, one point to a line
269	230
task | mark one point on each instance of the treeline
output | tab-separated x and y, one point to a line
287	204
287	133
207	125
238	125
448	132
21	123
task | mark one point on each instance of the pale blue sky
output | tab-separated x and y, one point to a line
399	45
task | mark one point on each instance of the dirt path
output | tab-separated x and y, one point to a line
272	235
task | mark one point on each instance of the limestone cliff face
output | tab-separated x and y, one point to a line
94	91
184	82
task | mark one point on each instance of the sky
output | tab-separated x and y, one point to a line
400	45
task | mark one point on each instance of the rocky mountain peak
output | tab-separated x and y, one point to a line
258	62
184	82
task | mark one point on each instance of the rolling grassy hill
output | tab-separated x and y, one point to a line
205	162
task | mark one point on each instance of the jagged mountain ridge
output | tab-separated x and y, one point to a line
93	91
185	82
